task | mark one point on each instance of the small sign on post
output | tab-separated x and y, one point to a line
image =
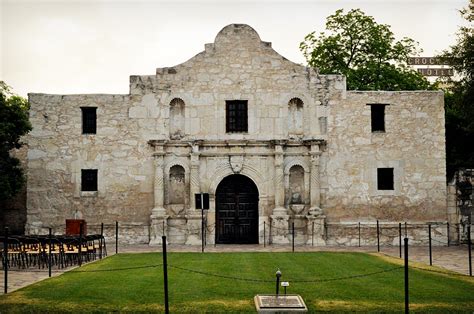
202	200
202	203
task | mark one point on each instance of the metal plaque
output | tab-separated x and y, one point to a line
286	303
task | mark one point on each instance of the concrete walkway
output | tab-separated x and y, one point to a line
454	258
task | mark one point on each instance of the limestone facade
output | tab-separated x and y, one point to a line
308	148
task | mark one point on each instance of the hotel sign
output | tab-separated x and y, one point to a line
436	71
425	61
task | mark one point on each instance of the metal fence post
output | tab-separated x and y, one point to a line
80	245
116	237
406	276
264	238
378	237
165	274
49	254
312	234
429	240
293	237
469	248
406	231
447	226
359	233
270	240
101	239
202	229
400	238
5	261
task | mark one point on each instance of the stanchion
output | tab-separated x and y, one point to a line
378	237
447	226
312	234
293	237
407	307
359	233
278	275
400	238
165	274
264	225
101	239
429	242
5	261
80	245
163	229
116	237
469	248
406	231
49	254
270	234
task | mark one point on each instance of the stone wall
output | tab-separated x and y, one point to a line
413	144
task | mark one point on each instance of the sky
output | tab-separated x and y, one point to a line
92	46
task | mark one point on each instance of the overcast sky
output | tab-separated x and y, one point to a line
91	46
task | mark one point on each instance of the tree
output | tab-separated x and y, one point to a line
459	98
366	52
13	124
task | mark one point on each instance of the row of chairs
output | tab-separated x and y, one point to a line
63	251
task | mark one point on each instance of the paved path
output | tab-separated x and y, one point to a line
454	258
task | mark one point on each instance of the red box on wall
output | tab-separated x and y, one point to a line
73	226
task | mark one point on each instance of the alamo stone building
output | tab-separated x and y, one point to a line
271	141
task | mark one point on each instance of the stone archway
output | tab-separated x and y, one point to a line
237	210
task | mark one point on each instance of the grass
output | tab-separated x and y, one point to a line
94	288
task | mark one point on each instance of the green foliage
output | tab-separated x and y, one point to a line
366	52
459	98
96	288
13	124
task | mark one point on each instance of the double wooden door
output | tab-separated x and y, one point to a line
237	211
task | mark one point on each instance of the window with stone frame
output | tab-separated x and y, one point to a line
377	114
236	116
89	120
88	180
385	179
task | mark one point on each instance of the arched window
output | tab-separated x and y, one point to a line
176	119
295	117
296	191
177	190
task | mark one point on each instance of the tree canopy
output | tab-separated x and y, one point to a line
459	98
366	52
14	123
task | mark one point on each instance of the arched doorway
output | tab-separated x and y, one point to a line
237	210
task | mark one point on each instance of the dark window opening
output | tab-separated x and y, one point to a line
385	178
89	180
89	120
236	116
378	117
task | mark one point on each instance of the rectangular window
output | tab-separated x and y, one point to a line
89	180
89	120
385	178
378	117
236	116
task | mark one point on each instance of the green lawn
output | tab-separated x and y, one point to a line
94	289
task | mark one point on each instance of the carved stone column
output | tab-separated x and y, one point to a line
315	180
193	217
316	219
280	217
278	182
158	215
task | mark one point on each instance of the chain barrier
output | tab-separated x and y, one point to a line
293	281
114	269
